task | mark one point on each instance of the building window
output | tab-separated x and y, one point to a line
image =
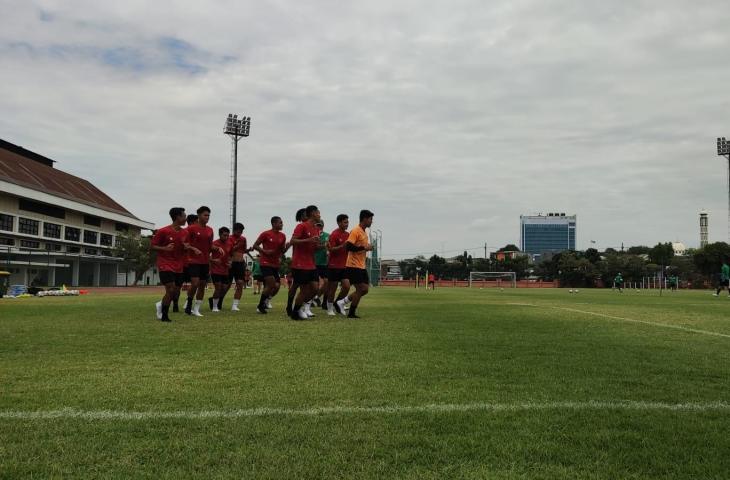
105	239
30	244
72	249
7	241
42	208
28	226
92	220
90	251
72	234
53	247
122	227
90	237
107	253
51	230
6	222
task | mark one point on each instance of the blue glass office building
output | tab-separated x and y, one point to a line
547	234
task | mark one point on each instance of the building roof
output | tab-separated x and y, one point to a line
29	169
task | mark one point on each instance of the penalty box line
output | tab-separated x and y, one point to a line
627	405
646	322
624	319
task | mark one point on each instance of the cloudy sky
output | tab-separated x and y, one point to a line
447	119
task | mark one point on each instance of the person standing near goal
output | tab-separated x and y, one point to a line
618	282
169	243
724	278
431	281
358	245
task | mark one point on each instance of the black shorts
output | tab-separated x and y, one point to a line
724	283
259	278
335	274
199	270
171	277
357	275
238	270
322	271
220	278
186	274
270	272
302	277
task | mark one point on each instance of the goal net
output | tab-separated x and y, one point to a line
493	279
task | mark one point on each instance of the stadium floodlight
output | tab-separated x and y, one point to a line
236	128
723	149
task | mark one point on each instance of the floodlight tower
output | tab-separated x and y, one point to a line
723	149
236	128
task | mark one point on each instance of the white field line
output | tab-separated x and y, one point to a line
646	322
628	405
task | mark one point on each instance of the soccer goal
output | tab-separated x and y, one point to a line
493	279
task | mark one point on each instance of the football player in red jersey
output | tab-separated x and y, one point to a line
192	218
219	268
169	244
337	246
239	248
305	241
271	246
199	242
292	284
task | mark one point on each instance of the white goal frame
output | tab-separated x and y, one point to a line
504	279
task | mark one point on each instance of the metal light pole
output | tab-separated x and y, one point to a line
236	128
723	149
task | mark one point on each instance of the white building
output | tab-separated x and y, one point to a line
56	228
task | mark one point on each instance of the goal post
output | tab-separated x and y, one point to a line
493	279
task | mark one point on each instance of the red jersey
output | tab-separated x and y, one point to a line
237	244
200	238
303	255
170	261
274	241
338	257
220	268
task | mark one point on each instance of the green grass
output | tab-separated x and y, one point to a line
534	348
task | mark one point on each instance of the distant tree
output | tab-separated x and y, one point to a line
610	251
638	250
510	247
661	253
709	258
592	256
135	252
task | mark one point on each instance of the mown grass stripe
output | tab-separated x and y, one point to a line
71	413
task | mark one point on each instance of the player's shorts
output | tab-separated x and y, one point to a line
335	274
322	271
269	272
357	275
724	283
199	270
218	278
238	270
186	274
303	277
259	278
171	277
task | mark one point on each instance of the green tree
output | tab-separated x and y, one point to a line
592	256
510	247
638	250
708	260
661	253
136	254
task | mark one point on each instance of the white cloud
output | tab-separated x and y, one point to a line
449	120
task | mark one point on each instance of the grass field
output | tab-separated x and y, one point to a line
456	383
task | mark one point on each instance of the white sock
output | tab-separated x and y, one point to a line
197	304
347	300
235	302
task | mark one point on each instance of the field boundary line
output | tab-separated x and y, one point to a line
646	322
625	405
